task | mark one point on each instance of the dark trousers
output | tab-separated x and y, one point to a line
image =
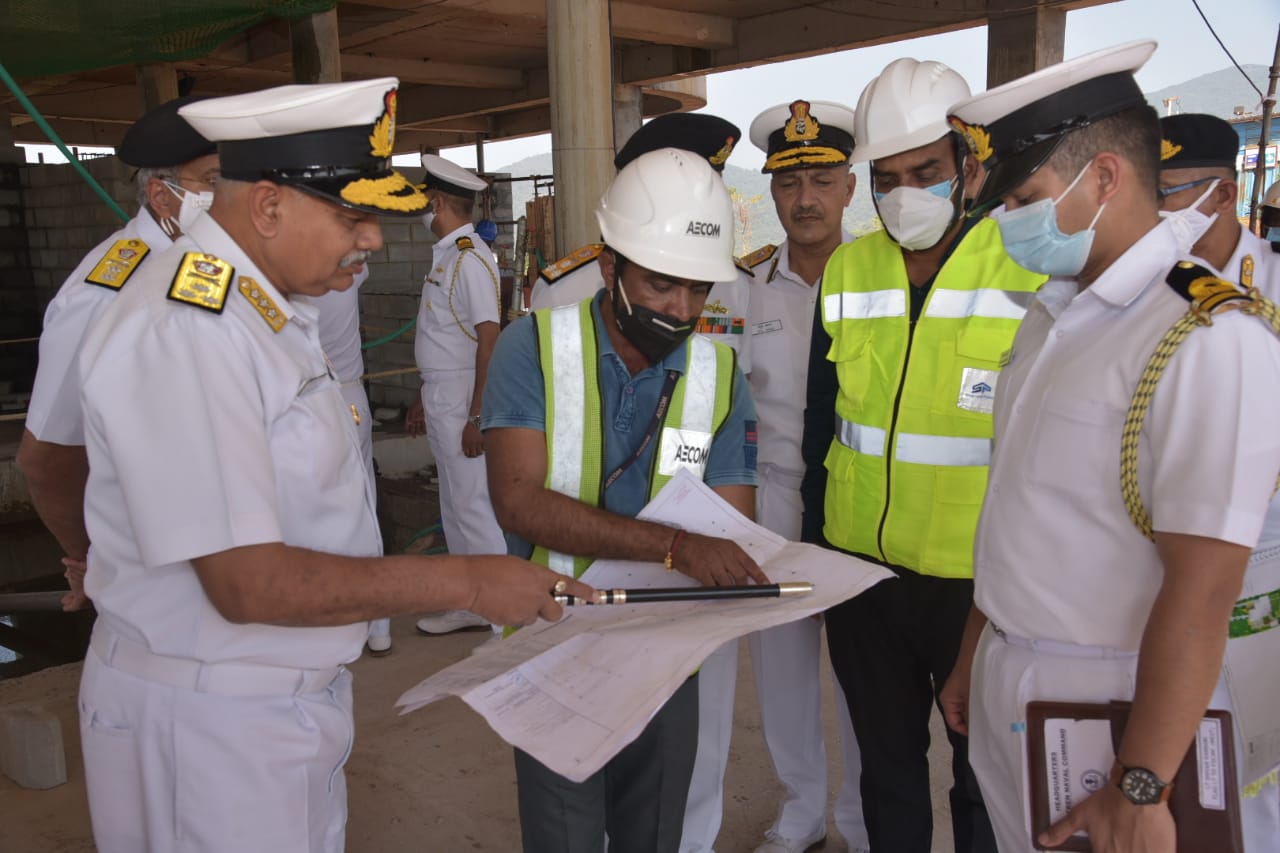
637	798
892	648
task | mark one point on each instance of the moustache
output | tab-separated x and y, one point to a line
807	213
351	259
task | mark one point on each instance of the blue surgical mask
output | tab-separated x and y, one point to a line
1273	234
1035	242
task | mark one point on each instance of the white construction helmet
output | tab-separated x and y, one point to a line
904	108
1271	198
668	210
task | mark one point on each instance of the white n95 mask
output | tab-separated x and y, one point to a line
918	218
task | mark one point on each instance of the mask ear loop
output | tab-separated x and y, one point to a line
617	282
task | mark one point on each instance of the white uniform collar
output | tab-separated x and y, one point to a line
210	238
461	231
1149	259
150	233
782	266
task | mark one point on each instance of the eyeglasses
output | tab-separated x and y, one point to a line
210	182
1165	192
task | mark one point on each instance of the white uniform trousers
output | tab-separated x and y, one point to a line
1006	677
173	770
466	512
358	401
704	809
785	661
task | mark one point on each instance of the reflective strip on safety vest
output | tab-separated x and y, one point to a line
861	438
864	306
914	447
980	302
567	431
940	450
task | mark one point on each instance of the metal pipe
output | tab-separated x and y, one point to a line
1264	136
30	602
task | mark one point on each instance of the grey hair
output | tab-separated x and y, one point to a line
163	173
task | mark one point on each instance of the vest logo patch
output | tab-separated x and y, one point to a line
977	389
683	448
702	229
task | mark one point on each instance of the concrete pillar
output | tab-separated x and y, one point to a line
314	43
9	152
1023	42
581	82
157	83
628	113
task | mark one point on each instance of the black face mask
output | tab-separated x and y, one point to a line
653	334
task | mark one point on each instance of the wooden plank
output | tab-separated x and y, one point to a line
433	72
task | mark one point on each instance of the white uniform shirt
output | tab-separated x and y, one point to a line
54	412
723	319
339	323
441	343
207	432
1266	264
1057	557
780	321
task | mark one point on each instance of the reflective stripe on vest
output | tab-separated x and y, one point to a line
569	358
914	447
907	469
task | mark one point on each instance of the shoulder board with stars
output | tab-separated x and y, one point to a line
202	280
121	261
262	303
464	243
759	256
1204	288
577	258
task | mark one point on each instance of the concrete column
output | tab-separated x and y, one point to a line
314	43
9	152
1023	42
628	113
157	83
581	83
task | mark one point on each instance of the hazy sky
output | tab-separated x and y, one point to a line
1248	27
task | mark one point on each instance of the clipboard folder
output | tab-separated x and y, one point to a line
1205	801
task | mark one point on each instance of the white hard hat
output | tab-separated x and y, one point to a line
668	210
1272	196
904	108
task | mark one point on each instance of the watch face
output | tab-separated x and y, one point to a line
1141	786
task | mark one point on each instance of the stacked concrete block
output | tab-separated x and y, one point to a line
31	752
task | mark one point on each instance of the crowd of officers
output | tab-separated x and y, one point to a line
1038	241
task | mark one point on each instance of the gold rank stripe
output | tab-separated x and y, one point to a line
263	304
203	281
121	261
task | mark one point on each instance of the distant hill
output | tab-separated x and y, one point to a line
1217	93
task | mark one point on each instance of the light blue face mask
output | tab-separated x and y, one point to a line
942	189
1035	242
1273	234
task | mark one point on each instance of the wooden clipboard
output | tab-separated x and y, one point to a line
1205	802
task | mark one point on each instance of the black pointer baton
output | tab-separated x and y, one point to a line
690	593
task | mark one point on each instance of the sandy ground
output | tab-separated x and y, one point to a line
437	780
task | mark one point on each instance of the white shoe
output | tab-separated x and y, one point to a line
379	646
775	843
450	620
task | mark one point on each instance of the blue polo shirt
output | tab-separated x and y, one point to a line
515	396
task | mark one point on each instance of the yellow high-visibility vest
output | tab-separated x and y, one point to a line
908	466
569	356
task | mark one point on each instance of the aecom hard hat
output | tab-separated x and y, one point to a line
669	211
905	107
1272	196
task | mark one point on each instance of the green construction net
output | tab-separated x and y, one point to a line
44	37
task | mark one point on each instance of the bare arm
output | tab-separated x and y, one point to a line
486	337
281	585
517	472
1179	663
954	697
56	474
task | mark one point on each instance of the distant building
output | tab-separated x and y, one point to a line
1249	128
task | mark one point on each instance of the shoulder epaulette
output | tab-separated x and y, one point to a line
758	257
1203	288
464	243
202	280
121	261
570	262
262	303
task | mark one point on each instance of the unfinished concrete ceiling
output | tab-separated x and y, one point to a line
478	68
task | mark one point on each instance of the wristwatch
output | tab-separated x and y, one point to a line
474	420
1141	786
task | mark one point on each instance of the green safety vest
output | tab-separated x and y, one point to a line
908	466
569	355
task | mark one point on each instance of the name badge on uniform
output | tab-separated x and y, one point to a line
683	448
766	327
977	389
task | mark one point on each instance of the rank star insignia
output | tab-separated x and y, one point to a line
262	303
118	264
201	280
